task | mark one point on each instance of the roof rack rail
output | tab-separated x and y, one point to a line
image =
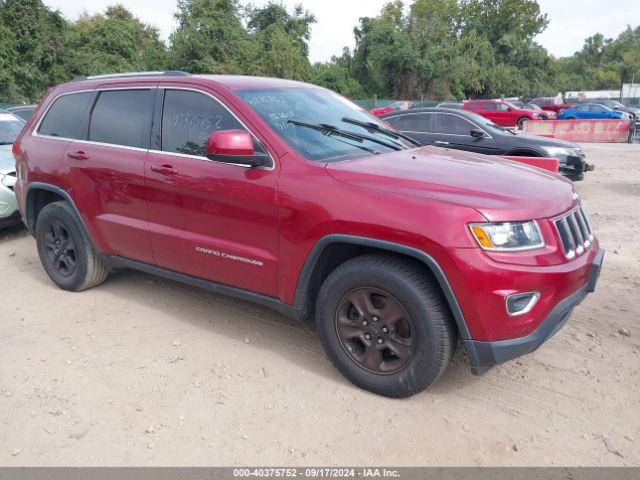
168	73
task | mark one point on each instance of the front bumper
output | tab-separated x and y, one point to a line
484	355
574	167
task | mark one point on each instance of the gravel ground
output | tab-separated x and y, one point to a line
143	371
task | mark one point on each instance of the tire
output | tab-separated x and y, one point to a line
521	121
65	250
428	328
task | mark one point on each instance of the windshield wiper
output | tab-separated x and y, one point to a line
332	129
6	143
377	128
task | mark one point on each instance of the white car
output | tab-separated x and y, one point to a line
10	127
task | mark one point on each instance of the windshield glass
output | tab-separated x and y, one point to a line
320	107
10	127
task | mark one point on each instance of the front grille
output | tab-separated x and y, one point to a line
575	233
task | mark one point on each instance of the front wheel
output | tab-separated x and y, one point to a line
385	325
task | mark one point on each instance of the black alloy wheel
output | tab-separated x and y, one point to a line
60	249
375	330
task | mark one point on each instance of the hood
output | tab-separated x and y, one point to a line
499	189
7	162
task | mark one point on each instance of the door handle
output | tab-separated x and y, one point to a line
166	170
78	155
439	142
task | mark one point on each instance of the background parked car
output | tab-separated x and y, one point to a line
590	111
451	105
544	114
464	130
615	105
501	113
553	104
393	107
22	111
10	127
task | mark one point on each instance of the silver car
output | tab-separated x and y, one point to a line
10	127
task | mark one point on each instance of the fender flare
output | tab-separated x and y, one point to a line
30	222
313	257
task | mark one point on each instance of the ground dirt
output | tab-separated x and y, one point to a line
143	371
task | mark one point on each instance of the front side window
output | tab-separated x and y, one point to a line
188	118
65	116
322	108
453	125
122	117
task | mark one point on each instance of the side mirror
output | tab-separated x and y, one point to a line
477	133
233	146
509	109
617	107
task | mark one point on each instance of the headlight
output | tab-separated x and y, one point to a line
508	236
7	180
557	151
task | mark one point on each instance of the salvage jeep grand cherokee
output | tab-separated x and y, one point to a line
291	196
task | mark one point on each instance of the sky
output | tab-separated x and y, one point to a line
570	21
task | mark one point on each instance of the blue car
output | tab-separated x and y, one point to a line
593	111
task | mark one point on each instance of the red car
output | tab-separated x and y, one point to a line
291	196
392	107
502	113
552	104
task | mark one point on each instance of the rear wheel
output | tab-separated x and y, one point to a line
65	250
384	325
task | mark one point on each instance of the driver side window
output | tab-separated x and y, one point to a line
452	125
188	118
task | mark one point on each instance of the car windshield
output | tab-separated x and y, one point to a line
533	106
323	109
10	127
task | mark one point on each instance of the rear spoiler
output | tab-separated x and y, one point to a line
551	164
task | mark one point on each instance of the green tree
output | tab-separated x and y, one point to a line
281	41
210	38
386	61
337	75
115	41
31	39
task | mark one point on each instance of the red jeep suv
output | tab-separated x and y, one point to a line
502	113
291	196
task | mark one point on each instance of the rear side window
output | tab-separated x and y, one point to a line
65	116
122	117
413	122
188	118
489	106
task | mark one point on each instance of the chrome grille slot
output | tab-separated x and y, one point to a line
575	233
